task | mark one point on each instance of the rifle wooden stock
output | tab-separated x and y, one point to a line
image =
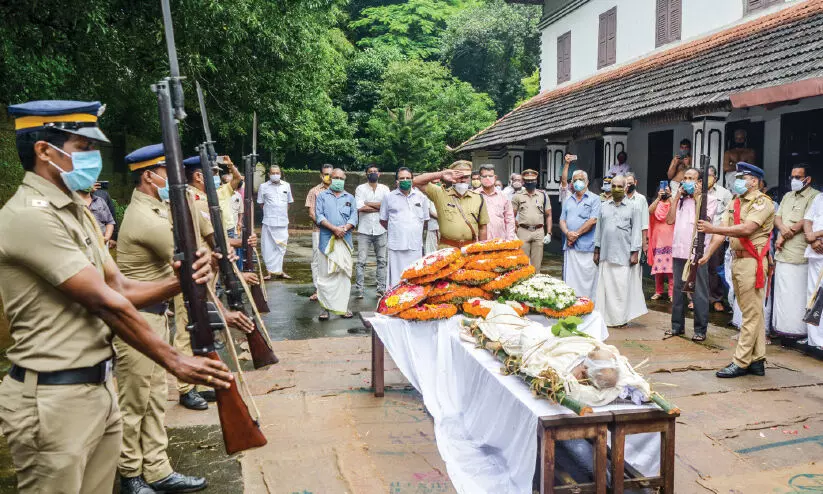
240	431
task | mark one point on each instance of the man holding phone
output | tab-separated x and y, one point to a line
681	162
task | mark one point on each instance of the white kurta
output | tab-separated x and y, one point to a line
619	295
790	282
815	266
580	272
274	242
334	277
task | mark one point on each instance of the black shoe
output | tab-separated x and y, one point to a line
732	370
177	482
758	367
208	395
193	401
135	485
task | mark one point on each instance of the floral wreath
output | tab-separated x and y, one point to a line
472	276
508	279
481	308
431	263
442	287
460	294
500	264
492	245
440	274
582	307
402	297
427	312
497	254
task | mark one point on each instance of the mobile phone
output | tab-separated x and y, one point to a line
573	157
664	184
221	160
682	154
104	184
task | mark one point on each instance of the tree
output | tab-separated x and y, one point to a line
413	26
364	77
494	46
407	138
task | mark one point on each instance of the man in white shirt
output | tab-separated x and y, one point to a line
515	185
813	229
370	233
621	167
275	196
403	212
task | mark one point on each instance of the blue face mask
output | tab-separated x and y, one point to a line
163	192
87	166
688	187
740	186
579	185
217	182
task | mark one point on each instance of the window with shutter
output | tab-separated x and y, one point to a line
675	20
611	41
752	5
669	20
607	38
564	55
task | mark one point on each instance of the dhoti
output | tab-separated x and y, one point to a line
274	241
619	294
580	272
790	282
432	241
399	260
315	256
815	266
334	277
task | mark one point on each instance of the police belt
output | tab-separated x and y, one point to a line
531	228
96	374
159	308
455	243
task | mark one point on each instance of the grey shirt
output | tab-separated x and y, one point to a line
618	232
100	210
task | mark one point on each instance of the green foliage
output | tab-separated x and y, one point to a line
412	26
568	327
531	86
119	211
364	78
406	137
494	46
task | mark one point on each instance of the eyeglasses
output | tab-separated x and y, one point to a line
795	177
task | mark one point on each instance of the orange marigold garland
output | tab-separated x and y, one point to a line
432	263
458	294
427	312
442	287
582	307
440	274
402	297
492	245
500	264
472	276
481	308
508	279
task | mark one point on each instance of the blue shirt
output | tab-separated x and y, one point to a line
575	214
336	210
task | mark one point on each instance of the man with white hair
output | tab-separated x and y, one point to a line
577	222
515	184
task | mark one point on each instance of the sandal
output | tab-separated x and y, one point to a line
656	296
691	305
324	316
347	315
699	337
721	308
313	298
284	276
670	334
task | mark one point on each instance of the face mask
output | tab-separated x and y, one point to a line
579	185
607	187
405	184
712	181
275	177
163	192
475	183
530	186
487	181
461	187
87	166
688	187
327	179
337	184
216	180
372	177
618	194
517	185
631	188
797	185
740	186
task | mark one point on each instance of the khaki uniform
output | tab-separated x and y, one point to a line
63	438
453	227
757	207
182	339
145	249
530	212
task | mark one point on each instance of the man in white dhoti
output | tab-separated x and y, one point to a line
617	242
311	201
791	268
275	196
336	214
577	222
813	228
403	213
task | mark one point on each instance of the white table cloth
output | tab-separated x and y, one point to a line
485	423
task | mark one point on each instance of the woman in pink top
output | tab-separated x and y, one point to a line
660	244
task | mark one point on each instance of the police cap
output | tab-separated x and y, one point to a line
145	157
529	174
74	117
744	168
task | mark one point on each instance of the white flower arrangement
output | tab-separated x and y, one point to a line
543	291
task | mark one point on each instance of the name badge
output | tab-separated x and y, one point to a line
419	205
348	204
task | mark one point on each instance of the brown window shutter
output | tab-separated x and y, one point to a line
662	25
611	39
754	5
564	52
568	56
602	38
675	20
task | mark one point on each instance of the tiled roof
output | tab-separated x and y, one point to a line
777	48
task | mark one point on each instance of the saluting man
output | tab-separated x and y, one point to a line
64	299
533	217
144	253
749	221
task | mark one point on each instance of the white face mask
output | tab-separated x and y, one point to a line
461	188
797	185
275	177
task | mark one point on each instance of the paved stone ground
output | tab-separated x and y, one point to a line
328	434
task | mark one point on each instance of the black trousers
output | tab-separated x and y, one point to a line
681	301
716	287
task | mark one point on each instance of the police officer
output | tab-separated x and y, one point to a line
144	253
461	212
533	217
65	297
748	220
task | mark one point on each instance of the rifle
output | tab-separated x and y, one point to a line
699	240
814	309
250	161
240	431
261	353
